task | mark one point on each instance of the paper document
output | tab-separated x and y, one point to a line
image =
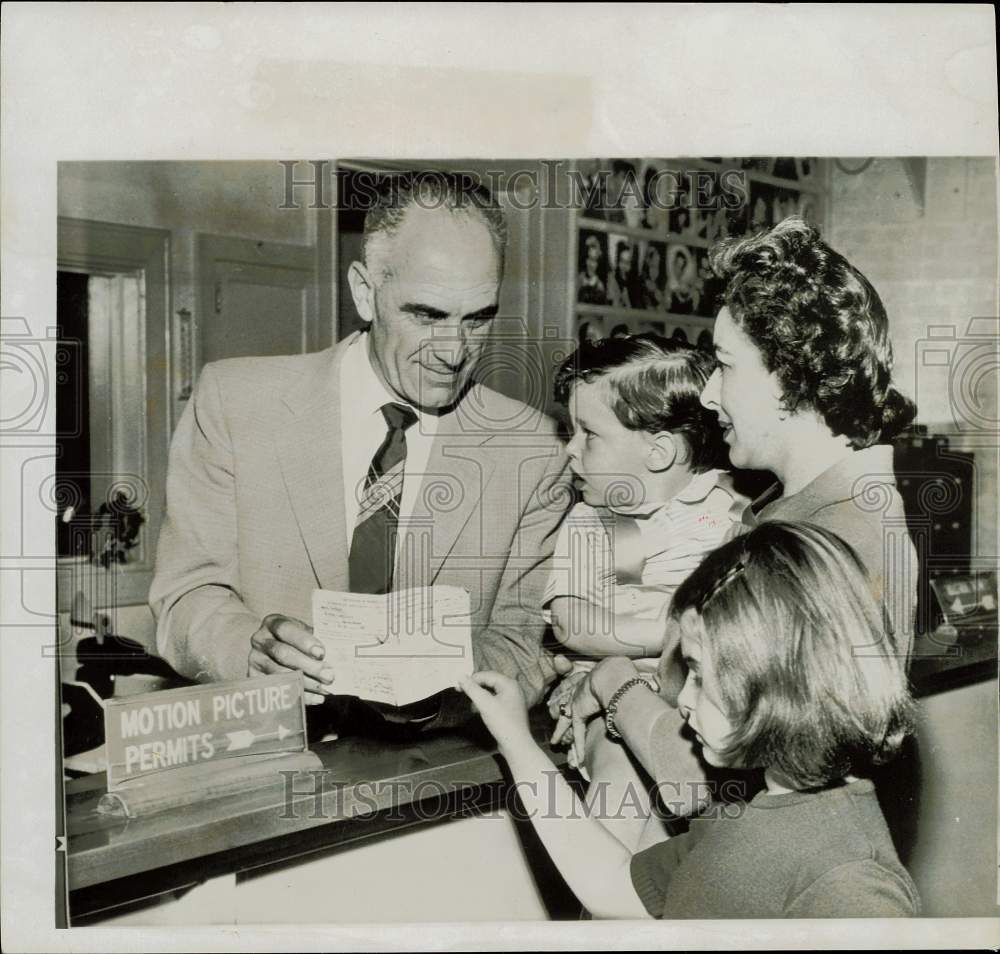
397	648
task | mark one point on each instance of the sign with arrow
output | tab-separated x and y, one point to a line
155	732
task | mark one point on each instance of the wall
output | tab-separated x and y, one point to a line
218	198
933	260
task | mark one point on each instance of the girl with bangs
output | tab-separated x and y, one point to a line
786	670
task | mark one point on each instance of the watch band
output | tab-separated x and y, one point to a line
612	709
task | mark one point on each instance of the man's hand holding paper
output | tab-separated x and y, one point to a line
283	643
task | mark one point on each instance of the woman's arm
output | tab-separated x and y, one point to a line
651	728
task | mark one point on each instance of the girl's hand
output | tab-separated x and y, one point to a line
500	703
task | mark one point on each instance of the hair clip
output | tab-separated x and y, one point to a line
731	574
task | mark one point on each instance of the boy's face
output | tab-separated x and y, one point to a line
609	460
699	701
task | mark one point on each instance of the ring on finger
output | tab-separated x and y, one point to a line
564	711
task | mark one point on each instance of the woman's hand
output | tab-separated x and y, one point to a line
609	675
499	701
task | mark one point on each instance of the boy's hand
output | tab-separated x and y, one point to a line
562	695
574	714
499	701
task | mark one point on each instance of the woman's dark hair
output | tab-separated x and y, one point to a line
652	385
820	326
797	650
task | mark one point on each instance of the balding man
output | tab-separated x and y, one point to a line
269	490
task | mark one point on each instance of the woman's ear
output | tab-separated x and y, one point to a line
663	452
362	291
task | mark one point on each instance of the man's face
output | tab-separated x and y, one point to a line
431	316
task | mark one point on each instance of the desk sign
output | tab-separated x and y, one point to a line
158	731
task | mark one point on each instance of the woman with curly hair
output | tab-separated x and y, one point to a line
802	388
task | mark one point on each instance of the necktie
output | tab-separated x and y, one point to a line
373	546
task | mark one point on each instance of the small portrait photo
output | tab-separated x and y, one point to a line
733	222
623	277
705	342
761	210
710	286
806	169
785	203
592	270
592	196
679	217
658	193
770	204
809	208
589	328
785	167
620	331
624	194
706	203
757	164
682	280
653	275
680	334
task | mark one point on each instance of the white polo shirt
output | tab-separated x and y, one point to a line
674	537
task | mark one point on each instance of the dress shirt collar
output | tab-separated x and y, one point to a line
694	492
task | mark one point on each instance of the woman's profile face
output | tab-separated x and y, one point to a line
747	398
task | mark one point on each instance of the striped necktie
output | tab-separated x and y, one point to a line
373	546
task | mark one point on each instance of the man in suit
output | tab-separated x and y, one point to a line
377	465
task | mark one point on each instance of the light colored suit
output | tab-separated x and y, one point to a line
255	517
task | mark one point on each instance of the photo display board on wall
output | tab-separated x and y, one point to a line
644	227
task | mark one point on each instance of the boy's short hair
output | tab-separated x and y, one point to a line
653	385
811	680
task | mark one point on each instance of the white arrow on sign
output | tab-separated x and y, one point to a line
244	738
240	740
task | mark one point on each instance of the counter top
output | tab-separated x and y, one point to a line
365	789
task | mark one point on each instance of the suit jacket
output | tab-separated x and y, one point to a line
255	517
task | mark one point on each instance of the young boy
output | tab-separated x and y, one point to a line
645	455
